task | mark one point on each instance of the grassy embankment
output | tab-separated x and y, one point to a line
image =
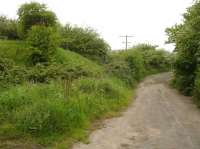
57	111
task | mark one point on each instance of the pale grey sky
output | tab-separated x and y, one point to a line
146	20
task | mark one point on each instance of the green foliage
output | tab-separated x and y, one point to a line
43	41
46	73
10	73
43	110
44	117
66	65
196	91
84	41
34	13
154	60
120	69
132	65
127	65
49	92
30	106
8	28
17	51
78	63
186	37
100	87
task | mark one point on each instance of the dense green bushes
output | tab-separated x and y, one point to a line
10	73
127	65
186	37
43	43
155	60
196	89
84	41
134	64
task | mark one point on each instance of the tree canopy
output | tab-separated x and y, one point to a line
84	41
34	13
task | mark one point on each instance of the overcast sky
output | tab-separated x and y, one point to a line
146	20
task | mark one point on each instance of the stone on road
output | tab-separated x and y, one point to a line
159	118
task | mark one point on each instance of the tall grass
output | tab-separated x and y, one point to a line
42	110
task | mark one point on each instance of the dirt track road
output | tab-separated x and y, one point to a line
160	118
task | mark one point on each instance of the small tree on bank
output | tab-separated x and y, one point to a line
43	41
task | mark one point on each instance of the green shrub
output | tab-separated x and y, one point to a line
155	60
120	69
184	79
127	65
10	73
46	73
43	41
136	63
196	91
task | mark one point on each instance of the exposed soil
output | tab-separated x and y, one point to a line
159	118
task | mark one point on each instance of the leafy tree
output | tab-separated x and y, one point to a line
44	42
186	37
84	41
34	13
8	28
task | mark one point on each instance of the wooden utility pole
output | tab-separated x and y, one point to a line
126	41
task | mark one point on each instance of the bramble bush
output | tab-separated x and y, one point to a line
10	73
